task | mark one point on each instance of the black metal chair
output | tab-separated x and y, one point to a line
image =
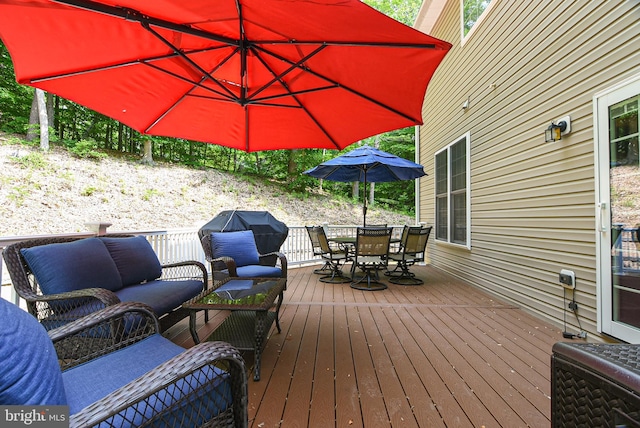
334	258
412	251
370	256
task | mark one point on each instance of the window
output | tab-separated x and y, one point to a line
452	193
472	10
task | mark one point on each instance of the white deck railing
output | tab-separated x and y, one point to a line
183	244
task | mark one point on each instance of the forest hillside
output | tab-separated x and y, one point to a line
56	192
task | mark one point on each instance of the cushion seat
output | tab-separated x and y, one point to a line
161	295
258	271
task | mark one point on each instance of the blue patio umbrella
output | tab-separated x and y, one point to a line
367	164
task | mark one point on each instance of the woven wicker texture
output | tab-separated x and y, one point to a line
595	385
58	309
248	325
227	263
182	392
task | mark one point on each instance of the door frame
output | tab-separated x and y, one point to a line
601	102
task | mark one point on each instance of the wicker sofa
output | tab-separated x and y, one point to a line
65	278
113	368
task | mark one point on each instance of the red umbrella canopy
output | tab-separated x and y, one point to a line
248	74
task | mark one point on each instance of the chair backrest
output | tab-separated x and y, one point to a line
416	239
373	241
239	245
30	374
315	239
319	240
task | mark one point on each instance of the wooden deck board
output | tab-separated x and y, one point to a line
442	354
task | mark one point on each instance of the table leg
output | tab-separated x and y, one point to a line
261	331
192	326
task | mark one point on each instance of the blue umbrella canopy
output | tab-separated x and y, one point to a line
367	164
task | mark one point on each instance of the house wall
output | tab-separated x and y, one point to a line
527	63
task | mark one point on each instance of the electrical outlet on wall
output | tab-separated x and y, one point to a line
567	278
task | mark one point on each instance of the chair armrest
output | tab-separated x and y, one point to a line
228	262
102	332
190	269
192	370
271	259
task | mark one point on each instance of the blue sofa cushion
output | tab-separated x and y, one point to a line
97	378
259	271
240	246
29	372
135	259
162	296
69	266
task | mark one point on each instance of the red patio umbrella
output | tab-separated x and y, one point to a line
248	74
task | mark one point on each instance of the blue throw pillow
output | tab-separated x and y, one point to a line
70	266
240	246
29	373
135	259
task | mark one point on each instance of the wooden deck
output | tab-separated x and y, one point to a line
443	354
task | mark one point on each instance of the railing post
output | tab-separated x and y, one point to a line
99	228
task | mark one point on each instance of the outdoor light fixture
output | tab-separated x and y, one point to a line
555	131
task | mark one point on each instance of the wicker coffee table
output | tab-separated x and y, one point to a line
253	306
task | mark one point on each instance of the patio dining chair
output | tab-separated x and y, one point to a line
334	258
370	256
316	248
412	251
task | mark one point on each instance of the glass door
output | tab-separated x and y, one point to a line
618	193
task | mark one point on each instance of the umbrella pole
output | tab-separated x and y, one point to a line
364	205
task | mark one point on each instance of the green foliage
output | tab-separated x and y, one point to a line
87	149
33	160
88	191
15	99
149	194
404	11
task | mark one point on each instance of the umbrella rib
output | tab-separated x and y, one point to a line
346	88
295	98
136	16
353	44
293	66
188	60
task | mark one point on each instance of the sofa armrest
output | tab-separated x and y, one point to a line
174	391
190	269
102	332
53	310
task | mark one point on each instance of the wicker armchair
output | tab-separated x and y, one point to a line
56	309
116	370
235	254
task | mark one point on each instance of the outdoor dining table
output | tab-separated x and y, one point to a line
348	243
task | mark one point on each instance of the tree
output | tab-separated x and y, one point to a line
43	119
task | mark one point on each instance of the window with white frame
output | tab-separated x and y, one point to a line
472	10
452	193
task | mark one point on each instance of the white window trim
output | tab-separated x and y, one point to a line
467	137
463	38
